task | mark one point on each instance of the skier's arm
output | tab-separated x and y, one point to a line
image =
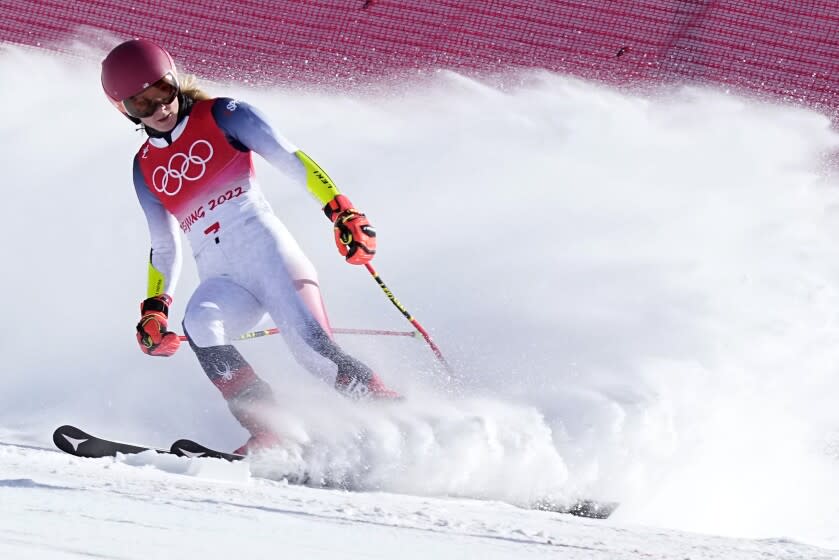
246	126
165	257
248	130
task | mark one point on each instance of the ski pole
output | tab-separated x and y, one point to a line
408	316
275	330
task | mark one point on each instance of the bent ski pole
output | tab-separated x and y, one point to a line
275	330
408	316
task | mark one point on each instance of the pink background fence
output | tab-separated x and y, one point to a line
779	47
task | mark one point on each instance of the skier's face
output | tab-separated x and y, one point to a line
164	118
157	105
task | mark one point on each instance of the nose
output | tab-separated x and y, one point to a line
162	111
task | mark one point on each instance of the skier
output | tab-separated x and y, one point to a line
195	173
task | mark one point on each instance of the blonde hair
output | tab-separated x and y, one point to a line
191	89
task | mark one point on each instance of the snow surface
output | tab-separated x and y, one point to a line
638	293
150	506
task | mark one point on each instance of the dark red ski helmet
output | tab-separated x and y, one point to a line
133	66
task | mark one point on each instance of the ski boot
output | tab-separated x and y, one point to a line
356	388
258	442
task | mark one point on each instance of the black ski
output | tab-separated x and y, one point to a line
77	442
189	448
74	441
581	508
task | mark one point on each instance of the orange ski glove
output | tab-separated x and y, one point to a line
354	236
152	333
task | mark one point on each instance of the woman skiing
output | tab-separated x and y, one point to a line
195	174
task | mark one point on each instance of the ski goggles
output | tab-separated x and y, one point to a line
145	103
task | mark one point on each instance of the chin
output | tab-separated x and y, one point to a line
167	124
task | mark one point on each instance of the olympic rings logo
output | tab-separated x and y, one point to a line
182	167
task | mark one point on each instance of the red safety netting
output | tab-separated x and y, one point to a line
776	47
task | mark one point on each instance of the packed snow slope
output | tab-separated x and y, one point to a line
152	507
638	295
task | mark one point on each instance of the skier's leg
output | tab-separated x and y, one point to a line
218	311
293	300
309	291
248	397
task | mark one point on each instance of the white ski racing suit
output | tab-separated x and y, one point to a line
199	179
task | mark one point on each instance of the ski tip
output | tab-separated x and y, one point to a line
65	429
58	439
592	509
64	435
